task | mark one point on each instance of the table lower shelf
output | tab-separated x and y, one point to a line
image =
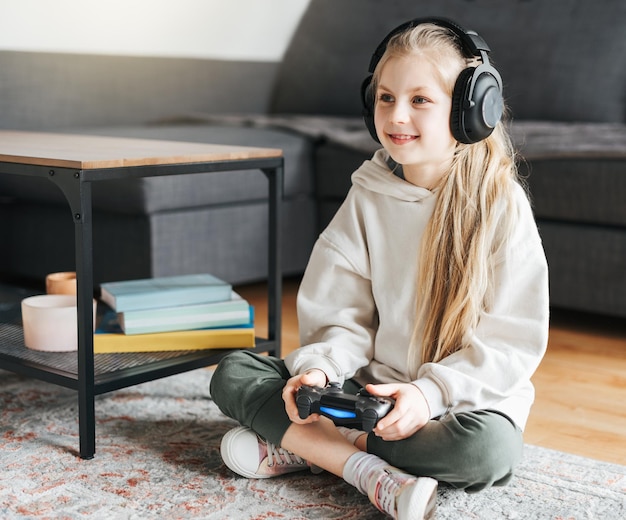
111	371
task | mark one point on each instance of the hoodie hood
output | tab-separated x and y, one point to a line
375	175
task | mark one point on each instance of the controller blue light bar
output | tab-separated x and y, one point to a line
340	414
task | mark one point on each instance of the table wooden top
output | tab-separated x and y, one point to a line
86	152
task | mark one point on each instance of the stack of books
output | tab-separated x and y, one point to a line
187	312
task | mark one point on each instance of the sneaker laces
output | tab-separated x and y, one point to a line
387	488
280	456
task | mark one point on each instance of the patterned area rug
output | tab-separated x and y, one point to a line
158	457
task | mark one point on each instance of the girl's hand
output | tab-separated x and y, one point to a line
313	377
409	414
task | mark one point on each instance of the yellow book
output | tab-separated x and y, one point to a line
108	343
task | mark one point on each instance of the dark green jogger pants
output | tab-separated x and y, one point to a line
470	450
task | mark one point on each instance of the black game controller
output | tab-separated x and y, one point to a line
361	411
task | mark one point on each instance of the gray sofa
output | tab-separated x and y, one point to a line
564	79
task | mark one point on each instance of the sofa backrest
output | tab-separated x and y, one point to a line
47	90
561	60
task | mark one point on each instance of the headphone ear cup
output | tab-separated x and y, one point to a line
489	103
368	99
476	111
459	96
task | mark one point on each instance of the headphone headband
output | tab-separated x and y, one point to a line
471	41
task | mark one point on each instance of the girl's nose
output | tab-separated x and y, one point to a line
399	114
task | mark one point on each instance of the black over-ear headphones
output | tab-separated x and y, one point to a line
477	102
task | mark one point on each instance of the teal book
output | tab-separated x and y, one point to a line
169	291
109	338
235	311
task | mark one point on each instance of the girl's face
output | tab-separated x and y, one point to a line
412	118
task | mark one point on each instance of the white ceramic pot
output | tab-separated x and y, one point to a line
50	322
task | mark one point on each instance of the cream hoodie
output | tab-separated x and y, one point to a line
357	299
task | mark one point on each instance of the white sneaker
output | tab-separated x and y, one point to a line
403	496
248	455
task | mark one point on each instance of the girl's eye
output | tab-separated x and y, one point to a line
418	100
385	98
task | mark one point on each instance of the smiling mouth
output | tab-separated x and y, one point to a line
402	138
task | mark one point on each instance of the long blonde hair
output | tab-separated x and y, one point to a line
474	211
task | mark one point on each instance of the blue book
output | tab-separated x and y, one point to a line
235	311
169	291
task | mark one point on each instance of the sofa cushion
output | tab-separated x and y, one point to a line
551	140
589	191
586	266
576	172
561	61
229	241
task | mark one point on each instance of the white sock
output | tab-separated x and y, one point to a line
360	468
350	433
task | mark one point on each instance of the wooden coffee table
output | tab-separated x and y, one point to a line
73	163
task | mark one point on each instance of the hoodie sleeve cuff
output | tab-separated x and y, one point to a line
319	363
434	396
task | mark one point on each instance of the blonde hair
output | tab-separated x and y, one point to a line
474	212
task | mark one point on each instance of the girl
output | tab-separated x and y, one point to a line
429	286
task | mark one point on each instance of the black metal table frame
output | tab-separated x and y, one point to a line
76	186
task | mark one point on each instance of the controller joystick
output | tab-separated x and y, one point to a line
361	411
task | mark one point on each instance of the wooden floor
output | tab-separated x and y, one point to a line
581	384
